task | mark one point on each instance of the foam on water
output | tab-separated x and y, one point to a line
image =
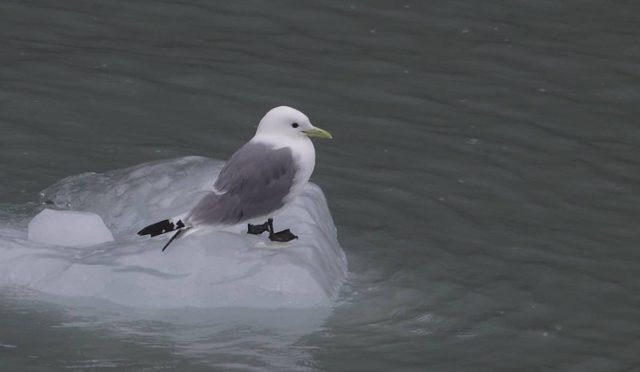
215	269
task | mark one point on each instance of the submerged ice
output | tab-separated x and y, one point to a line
215	269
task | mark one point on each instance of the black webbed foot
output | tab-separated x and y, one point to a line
257	229
282	236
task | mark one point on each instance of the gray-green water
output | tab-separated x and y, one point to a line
484	177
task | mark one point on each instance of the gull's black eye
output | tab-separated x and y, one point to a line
295	125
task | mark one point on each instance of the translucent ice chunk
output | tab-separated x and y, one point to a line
68	228
214	269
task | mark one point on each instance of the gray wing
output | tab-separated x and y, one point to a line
252	184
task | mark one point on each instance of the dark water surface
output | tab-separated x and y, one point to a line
484	177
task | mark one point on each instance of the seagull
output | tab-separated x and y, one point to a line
260	179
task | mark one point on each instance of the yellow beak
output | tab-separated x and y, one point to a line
318	132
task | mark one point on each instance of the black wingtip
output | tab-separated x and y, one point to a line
174	237
159	228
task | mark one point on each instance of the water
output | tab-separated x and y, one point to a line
484	175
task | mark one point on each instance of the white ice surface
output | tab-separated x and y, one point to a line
214	269
68	228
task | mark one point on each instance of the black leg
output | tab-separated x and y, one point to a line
174	237
270	223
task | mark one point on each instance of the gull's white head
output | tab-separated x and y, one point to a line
287	121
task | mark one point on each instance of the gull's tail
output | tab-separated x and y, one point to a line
164	227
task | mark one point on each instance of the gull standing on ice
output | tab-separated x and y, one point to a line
258	181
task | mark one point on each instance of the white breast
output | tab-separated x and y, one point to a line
304	155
